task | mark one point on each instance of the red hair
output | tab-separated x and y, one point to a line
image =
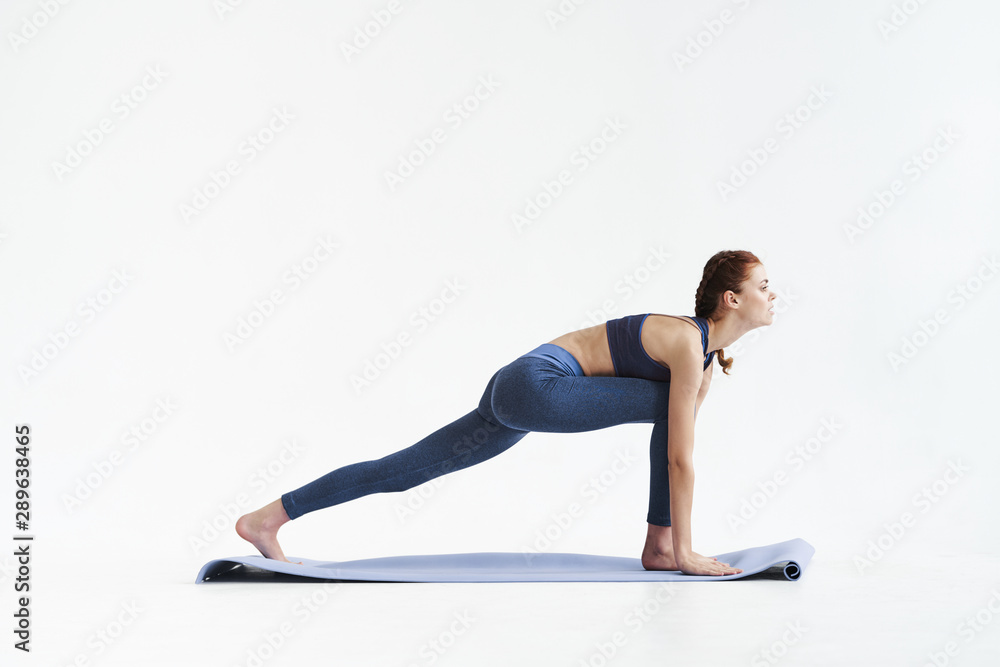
725	270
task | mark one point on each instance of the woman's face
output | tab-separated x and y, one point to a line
757	297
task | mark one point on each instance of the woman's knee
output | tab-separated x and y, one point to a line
486	406
507	399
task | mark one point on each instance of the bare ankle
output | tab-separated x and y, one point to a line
660	540
659	550
273	515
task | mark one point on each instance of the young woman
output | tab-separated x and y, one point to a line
646	368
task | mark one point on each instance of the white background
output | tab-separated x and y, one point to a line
847	303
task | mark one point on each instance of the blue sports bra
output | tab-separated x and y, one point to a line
630	358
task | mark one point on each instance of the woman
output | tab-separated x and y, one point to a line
637	369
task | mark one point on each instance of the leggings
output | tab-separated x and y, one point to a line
543	390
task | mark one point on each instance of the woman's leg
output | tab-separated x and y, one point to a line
528	394
472	438
659	482
658	550
468	440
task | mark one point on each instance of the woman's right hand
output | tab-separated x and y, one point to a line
695	563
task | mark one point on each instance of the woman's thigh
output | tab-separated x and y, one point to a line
531	394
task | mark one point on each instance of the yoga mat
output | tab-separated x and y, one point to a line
784	560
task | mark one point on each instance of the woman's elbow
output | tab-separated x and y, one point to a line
680	462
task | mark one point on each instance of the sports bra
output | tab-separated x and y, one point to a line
630	358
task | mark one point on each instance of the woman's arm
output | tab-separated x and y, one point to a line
686	376
688	387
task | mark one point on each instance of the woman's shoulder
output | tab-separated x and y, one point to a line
671	337
669	320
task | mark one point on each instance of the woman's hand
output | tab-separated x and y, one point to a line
695	563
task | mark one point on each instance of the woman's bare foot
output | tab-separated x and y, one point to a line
658	552
260	529
659	561
664	560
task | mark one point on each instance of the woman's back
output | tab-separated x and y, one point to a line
631	346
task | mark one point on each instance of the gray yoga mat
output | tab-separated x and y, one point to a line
784	560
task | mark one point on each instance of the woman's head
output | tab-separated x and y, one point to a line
733	277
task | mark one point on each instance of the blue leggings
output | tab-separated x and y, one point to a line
543	390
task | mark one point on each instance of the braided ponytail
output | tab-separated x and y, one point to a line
725	270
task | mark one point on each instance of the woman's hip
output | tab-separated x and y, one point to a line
545	390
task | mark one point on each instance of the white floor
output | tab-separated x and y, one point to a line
892	614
